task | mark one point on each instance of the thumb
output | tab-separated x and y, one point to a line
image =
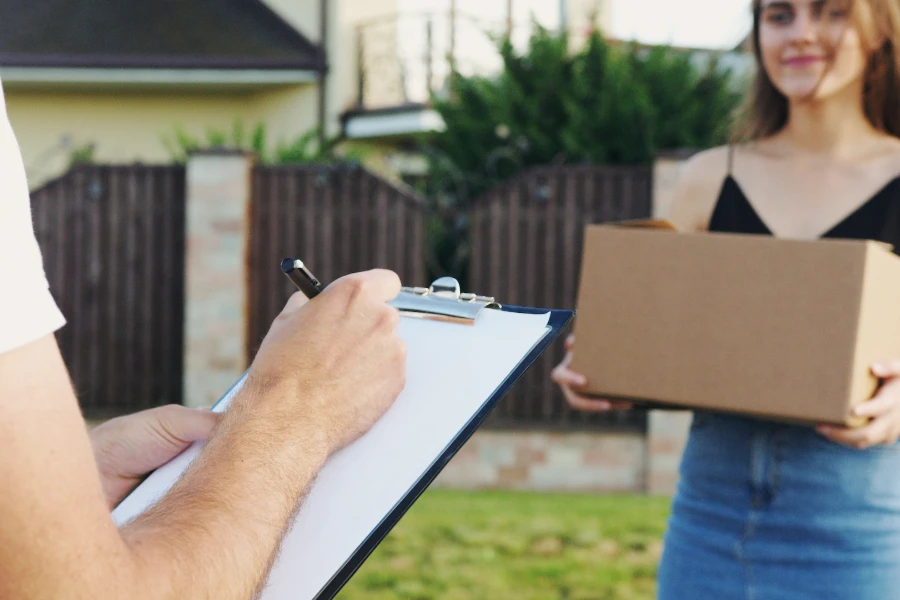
181	425
886	368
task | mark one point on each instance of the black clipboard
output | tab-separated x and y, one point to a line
559	319
436	303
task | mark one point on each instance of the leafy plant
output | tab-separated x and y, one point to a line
305	148
82	155
604	104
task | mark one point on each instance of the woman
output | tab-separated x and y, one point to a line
765	510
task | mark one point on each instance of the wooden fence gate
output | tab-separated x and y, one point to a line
112	239
340	219
527	238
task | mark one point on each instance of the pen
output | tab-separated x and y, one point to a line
301	277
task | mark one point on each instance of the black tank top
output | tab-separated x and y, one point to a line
876	219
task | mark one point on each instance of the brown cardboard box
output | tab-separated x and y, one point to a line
784	329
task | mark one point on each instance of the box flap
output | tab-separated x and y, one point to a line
646	224
883	245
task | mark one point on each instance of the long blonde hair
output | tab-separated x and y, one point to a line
765	110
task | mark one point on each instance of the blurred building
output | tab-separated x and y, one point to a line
111	80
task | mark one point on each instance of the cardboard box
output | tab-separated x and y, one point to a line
749	324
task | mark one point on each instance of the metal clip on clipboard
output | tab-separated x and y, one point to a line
442	301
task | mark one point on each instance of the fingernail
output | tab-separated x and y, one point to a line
581	380
879	369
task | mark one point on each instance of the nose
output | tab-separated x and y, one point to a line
806	26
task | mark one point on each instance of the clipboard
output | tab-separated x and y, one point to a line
442	303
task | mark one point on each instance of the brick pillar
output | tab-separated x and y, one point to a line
666	430
218	202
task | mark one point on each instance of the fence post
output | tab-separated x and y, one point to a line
667	430
217	229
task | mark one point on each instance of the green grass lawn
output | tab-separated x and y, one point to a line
455	545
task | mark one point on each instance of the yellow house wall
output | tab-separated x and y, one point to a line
343	19
127	127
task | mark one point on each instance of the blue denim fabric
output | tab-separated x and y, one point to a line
768	511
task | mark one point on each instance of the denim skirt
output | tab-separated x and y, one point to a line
768	511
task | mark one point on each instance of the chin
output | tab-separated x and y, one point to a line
800	89
801	94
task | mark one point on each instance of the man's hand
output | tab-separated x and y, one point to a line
128	448
332	366
883	409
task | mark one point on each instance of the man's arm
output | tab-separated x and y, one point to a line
325	373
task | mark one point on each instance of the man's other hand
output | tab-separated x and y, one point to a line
128	448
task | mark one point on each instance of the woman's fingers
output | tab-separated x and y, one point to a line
886	368
567	379
875	407
565	376
872	434
579	402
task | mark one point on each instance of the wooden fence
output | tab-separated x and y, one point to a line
526	249
113	245
340	219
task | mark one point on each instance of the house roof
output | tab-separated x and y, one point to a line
196	34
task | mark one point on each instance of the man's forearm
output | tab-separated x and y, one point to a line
214	535
227	515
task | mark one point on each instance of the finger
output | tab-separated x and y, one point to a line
382	285
294	303
886	368
570	341
877	406
566	376
184	424
860	437
579	402
621	405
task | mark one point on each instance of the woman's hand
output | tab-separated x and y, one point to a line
884	410
567	379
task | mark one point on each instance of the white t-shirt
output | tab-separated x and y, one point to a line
27	310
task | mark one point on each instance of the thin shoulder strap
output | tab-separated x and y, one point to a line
890	231
730	158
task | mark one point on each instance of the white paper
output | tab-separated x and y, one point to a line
452	370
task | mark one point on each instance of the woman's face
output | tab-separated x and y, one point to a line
812	49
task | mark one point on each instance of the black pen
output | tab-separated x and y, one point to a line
301	277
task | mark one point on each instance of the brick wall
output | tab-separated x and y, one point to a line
549	461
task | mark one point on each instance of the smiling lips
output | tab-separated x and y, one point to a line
802	61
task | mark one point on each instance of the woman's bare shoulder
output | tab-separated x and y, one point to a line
697	189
